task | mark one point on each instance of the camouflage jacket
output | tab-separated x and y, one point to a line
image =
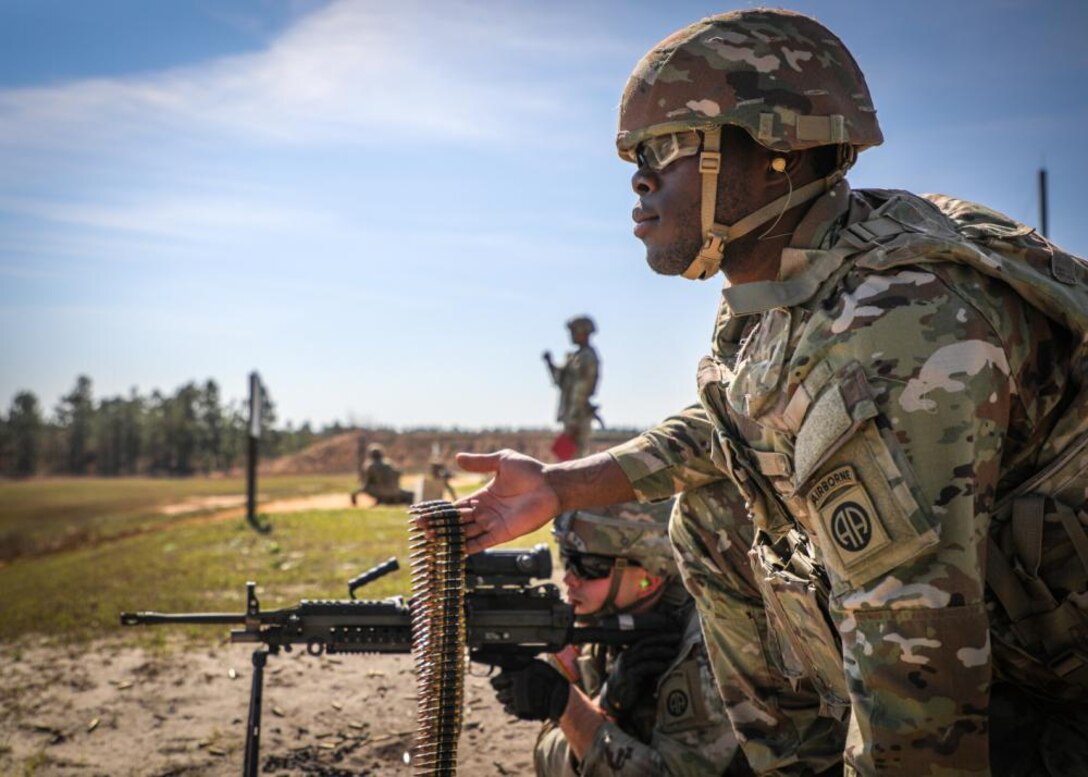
682	730
577	381
381	479
879	400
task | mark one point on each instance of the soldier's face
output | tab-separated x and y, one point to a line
667	219
589	596
668	216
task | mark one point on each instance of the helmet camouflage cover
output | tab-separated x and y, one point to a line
584	323
781	76
636	532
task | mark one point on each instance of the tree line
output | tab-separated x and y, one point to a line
192	431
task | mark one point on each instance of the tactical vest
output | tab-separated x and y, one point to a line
1037	557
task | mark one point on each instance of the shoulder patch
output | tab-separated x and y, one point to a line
680	705
847	515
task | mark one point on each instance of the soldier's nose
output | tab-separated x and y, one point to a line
644	182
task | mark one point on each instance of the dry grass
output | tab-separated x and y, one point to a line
77	594
47	514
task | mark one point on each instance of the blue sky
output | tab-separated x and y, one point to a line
390	208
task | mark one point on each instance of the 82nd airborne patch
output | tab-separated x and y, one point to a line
847	518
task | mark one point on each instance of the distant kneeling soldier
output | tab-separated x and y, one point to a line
650	708
381	480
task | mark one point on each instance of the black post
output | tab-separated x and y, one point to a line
252	451
1044	228
253	727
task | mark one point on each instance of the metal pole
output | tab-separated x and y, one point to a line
252	451
1044	228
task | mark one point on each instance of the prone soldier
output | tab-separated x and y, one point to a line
649	708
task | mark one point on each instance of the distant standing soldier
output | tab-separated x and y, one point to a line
381	480
577	381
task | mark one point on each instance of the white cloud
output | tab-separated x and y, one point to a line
446	71
170	217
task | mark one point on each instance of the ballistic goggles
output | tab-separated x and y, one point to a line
660	151
588	566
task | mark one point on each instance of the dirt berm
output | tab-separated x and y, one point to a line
411	451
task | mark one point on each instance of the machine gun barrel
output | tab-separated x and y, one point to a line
155	618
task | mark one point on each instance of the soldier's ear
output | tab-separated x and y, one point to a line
649	584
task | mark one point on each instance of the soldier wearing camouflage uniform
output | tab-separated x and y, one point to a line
649	708
897	390
381	480
576	380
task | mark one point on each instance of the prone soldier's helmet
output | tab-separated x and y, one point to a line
781	76
582	324
636	532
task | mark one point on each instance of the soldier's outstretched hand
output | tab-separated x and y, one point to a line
516	501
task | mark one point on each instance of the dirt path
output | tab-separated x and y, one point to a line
210	509
117	710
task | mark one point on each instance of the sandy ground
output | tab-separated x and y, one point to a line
117	710
112	710
335	501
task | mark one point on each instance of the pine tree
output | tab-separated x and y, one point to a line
24	426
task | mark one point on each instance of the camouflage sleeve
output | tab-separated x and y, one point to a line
691	735
671	457
776	715
931	393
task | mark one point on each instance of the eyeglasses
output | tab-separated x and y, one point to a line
587	566
660	151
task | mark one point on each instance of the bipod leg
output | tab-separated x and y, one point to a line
253	727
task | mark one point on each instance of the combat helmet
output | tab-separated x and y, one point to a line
582	323
630	531
627	533
781	76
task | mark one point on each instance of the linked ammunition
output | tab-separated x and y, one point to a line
438	634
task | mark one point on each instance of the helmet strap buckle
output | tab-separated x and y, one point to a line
708	260
710	162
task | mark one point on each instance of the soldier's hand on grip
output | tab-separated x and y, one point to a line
534	692
518	499
636	672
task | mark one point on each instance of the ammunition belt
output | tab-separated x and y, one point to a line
437	546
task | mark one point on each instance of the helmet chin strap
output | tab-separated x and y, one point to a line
608	607
709	259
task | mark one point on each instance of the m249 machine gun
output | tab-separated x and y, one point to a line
508	619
